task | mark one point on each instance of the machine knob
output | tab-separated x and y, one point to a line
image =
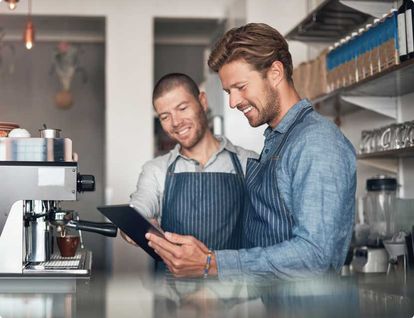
85	182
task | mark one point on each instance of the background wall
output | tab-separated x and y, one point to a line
189	58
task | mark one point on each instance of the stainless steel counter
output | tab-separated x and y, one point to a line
134	295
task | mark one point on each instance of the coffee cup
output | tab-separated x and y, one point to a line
68	245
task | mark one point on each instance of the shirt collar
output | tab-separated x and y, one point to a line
225	144
289	118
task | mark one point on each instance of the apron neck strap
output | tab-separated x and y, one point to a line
171	167
301	115
236	163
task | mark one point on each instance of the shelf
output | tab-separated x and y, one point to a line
386	160
385	164
330	21
395	153
334	19
393	82
332	105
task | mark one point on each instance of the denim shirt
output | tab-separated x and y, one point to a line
316	179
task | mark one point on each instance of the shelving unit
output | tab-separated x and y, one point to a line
327	23
386	160
334	19
382	88
381	93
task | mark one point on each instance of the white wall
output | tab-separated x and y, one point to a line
406	173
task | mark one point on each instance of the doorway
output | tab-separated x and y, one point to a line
183	46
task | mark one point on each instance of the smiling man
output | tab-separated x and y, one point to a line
198	187
302	188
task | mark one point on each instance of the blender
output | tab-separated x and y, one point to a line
379	207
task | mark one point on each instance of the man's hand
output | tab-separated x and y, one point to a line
184	256
127	238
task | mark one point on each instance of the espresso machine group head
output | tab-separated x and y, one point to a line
37	175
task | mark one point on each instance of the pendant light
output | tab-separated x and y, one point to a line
12	4
29	33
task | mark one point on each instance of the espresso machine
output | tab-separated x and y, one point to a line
37	176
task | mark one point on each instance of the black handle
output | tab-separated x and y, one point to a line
85	183
107	229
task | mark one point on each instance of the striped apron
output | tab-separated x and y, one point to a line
206	205
268	221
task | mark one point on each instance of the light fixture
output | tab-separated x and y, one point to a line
12	4
29	33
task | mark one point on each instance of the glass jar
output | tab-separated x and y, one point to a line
379	206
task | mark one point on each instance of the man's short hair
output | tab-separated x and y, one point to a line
257	43
173	80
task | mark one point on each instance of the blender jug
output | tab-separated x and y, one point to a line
380	204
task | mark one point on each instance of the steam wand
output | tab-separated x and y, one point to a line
80	234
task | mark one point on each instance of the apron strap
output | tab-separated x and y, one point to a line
297	120
236	164
171	167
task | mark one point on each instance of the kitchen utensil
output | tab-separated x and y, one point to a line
19	133
49	133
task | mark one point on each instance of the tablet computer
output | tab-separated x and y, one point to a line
133	224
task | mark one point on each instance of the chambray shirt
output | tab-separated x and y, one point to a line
149	193
316	178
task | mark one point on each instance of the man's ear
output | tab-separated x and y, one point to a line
202	97
276	73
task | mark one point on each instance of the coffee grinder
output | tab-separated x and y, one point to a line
379	210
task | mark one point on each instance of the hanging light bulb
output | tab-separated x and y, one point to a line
29	32
29	35
12	4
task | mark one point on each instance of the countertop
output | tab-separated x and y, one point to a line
140	295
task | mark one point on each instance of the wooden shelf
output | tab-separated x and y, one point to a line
394	81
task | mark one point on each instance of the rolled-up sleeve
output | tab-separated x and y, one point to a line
317	179
148	194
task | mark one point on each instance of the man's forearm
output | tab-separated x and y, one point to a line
290	259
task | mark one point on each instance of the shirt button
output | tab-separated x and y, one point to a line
266	150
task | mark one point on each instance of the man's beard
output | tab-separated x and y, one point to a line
200	132
270	110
